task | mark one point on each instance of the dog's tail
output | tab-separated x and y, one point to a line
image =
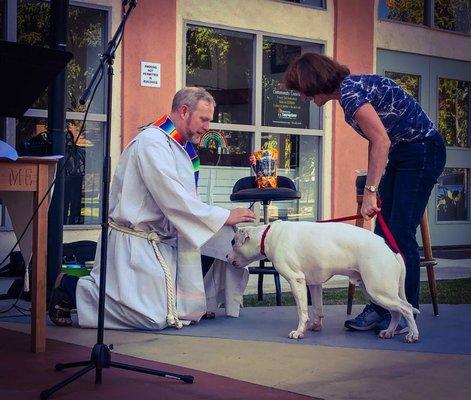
402	282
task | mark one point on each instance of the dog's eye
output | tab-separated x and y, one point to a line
233	242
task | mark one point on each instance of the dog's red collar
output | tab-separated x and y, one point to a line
262	243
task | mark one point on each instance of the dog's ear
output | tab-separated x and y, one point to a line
246	235
241	236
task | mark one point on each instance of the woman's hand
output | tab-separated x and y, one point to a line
369	206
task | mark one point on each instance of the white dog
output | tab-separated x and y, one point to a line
311	253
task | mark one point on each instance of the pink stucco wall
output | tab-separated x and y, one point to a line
354	47
151	38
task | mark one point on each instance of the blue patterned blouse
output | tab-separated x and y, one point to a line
400	114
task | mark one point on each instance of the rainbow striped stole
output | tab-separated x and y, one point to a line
166	124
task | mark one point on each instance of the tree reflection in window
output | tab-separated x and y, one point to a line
86	30
410	83
411	11
453	195
453	111
221	61
453	15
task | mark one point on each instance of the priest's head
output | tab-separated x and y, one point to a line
192	111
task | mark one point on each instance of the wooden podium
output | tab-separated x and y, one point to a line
18	178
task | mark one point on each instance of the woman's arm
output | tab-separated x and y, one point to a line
378	150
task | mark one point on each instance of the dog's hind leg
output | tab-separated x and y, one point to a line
316	310
297	282
389	332
408	314
398	307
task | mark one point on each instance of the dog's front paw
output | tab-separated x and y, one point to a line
386	334
296	335
411	338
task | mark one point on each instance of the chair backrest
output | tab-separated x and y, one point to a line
81	251
285	182
248	182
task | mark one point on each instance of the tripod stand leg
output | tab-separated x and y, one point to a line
60	367
184	378
46	393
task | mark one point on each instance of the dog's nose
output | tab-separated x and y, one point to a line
227	256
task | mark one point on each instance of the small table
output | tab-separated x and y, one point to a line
31	175
245	190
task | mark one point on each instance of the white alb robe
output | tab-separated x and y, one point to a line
154	189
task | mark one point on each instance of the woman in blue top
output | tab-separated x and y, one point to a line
406	155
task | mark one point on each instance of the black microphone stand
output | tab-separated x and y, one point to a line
101	355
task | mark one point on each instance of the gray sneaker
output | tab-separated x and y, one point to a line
365	321
401	327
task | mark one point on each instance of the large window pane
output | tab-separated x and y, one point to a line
225	148
83	175
222	62
453	111
409	82
83	171
453	195
86	39
411	11
284	108
224	159
453	15
298	160
33	27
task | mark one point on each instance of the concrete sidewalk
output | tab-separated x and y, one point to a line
334	364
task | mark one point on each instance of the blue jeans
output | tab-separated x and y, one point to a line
412	171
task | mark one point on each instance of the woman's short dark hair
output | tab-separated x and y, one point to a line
312	74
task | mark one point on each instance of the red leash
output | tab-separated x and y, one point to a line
382	223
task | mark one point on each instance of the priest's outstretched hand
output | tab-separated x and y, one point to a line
238	215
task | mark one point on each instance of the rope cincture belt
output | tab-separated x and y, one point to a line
153	238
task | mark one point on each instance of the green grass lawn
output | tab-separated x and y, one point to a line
456	291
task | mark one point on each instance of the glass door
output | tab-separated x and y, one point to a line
442	87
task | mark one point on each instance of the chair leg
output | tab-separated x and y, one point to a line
432	284
351	293
277	289
260	287
351	287
427	246
309	300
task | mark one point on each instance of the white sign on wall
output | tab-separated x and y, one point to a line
150	74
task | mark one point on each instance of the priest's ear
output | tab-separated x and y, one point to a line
184	112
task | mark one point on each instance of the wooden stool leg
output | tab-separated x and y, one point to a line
351	293
309	300
427	245
351	286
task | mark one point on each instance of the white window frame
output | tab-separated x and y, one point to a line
256	127
10	123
